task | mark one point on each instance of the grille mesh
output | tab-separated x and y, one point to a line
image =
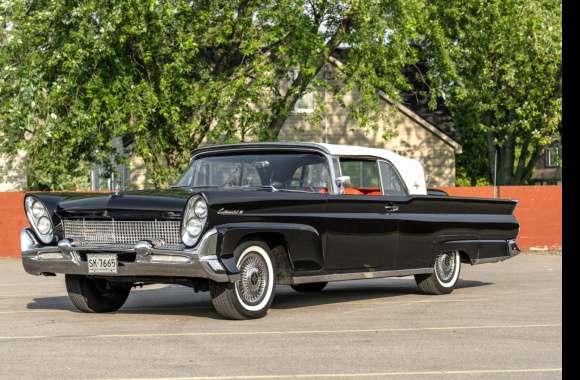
122	233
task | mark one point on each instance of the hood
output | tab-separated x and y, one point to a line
143	204
159	204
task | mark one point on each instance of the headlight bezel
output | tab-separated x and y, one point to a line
31	204
190	216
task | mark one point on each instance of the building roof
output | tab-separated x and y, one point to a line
411	170
442	129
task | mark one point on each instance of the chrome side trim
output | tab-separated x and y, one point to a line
358	275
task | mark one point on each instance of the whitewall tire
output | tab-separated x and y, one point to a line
252	295
445	274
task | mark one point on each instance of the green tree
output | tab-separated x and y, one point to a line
508	96
175	74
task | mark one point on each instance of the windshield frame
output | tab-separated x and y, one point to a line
220	152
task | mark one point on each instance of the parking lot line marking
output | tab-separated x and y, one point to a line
287	332
124	311
208	307
359	375
417	301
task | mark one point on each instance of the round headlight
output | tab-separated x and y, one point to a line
200	209
39	219
194	227
37	209
43	225
194	220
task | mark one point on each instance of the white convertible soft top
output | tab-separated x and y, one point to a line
411	171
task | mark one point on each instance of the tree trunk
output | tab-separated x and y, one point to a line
510	172
505	164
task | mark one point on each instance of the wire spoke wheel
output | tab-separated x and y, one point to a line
445	265
253	293
445	274
254	279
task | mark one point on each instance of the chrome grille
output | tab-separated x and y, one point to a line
122	233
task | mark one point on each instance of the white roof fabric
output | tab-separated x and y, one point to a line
411	171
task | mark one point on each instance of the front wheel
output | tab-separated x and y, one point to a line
444	277
252	295
93	295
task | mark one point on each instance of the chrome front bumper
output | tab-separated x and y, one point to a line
200	261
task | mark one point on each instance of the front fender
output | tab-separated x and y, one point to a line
303	243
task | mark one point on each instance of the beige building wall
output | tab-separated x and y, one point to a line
412	138
137	173
12	172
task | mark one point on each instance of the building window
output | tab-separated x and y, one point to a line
553	157
305	104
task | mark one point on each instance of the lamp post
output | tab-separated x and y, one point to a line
495	174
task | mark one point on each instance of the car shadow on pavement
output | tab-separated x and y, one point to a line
168	300
177	300
373	290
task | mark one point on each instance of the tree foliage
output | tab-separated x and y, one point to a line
175	74
508	96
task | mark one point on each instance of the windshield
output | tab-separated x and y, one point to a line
283	171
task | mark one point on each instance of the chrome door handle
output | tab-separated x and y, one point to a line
391	208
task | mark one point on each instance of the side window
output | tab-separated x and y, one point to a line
362	173
390	180
364	176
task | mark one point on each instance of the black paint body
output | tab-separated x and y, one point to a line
322	233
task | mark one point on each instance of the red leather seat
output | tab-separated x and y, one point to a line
375	193
352	191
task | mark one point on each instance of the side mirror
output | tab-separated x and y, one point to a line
342	182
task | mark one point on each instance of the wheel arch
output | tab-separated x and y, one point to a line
294	246
467	246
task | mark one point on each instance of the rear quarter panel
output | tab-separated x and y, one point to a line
477	227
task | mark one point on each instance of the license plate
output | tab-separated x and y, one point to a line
102	263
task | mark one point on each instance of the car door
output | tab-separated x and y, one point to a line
362	231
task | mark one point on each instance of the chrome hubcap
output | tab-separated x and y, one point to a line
253	278
445	265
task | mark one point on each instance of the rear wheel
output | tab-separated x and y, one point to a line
252	295
308	288
445	274
92	295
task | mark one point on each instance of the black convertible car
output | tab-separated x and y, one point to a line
246	217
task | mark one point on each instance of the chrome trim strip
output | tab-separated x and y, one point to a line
358	275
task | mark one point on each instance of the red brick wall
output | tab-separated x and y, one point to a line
12	219
539	212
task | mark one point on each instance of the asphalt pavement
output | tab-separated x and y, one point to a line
504	321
